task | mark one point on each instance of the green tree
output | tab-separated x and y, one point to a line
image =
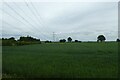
69	39
118	40
62	40
101	38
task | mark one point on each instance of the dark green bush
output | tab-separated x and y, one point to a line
8	42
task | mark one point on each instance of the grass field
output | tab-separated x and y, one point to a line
61	60
0	60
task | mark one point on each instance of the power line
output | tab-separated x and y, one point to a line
36	12
13	16
3	22
22	18
23	12
39	16
19	15
32	11
26	15
17	28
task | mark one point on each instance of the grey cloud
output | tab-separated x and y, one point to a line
78	20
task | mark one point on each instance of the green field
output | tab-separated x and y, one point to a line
61	60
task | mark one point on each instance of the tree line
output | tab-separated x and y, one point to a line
30	40
69	39
21	41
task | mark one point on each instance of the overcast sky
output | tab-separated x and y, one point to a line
79	20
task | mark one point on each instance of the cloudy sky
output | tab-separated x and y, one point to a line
79	20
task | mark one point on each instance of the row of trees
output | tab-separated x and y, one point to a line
30	40
69	39
21	41
100	38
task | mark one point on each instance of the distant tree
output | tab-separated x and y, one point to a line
101	38
21	41
28	40
48	41
12	38
3	39
69	39
8	41
62	40
76	41
118	40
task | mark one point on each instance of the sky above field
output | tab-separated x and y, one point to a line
79	20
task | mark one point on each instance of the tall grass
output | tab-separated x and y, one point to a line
66	60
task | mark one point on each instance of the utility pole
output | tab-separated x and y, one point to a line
53	36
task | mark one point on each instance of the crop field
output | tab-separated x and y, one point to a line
61	60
